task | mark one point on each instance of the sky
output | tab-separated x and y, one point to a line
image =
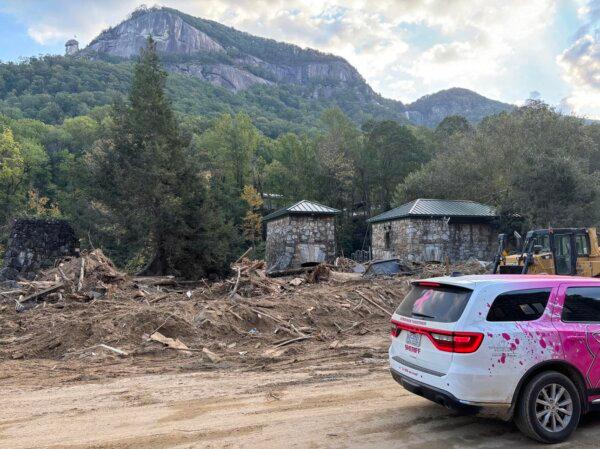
508	50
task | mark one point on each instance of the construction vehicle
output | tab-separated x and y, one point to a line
563	251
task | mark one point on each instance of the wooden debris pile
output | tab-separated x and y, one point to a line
250	280
84	278
86	308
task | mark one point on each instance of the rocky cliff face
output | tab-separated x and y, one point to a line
223	75
171	33
237	68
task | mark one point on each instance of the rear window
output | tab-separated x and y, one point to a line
444	304
519	305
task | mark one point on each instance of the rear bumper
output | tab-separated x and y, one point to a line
434	394
448	400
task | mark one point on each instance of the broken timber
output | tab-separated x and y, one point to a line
42	293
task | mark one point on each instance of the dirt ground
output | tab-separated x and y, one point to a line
334	405
246	362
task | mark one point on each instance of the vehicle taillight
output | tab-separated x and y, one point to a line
443	342
428	284
447	341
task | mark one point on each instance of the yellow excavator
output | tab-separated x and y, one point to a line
564	251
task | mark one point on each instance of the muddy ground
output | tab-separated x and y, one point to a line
329	405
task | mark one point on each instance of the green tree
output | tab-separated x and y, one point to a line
335	148
83	131
144	175
293	170
252	224
451	125
12	168
392	152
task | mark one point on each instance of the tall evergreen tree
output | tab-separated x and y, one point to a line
148	180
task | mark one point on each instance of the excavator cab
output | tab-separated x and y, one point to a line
564	251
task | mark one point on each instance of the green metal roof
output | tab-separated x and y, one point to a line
424	208
303	207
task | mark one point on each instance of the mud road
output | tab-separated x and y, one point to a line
327	407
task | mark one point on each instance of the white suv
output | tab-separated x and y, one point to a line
526	347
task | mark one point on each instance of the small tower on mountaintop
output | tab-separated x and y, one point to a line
71	47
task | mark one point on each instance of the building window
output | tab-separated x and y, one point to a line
387	240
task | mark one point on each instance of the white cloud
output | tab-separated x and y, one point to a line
581	64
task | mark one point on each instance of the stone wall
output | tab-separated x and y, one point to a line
36	244
432	240
294	240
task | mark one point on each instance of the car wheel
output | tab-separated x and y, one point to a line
549	408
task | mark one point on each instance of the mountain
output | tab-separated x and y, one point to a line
432	109
216	69
224	56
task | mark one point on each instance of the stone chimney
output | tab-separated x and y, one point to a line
71	47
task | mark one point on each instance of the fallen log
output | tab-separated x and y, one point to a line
42	293
237	283
11	292
155	281
243	255
81	274
293	340
117	351
290	272
370	301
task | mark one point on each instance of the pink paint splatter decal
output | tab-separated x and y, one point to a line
422	300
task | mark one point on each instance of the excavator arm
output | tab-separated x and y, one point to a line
502	242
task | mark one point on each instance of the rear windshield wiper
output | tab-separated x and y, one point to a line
421	315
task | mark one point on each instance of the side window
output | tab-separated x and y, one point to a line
582	305
519	305
563	244
581	242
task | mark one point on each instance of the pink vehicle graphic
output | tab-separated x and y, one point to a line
522	347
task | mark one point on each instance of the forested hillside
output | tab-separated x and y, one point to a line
53	88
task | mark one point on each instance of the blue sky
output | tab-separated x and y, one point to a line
504	49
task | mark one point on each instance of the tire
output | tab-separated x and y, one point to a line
538	392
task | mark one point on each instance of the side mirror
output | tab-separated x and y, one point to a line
537	249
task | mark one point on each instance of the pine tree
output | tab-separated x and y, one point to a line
147	179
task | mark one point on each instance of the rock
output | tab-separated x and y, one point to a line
296	282
172	35
229	77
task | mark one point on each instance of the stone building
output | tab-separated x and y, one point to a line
302	234
427	230
71	47
36	244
